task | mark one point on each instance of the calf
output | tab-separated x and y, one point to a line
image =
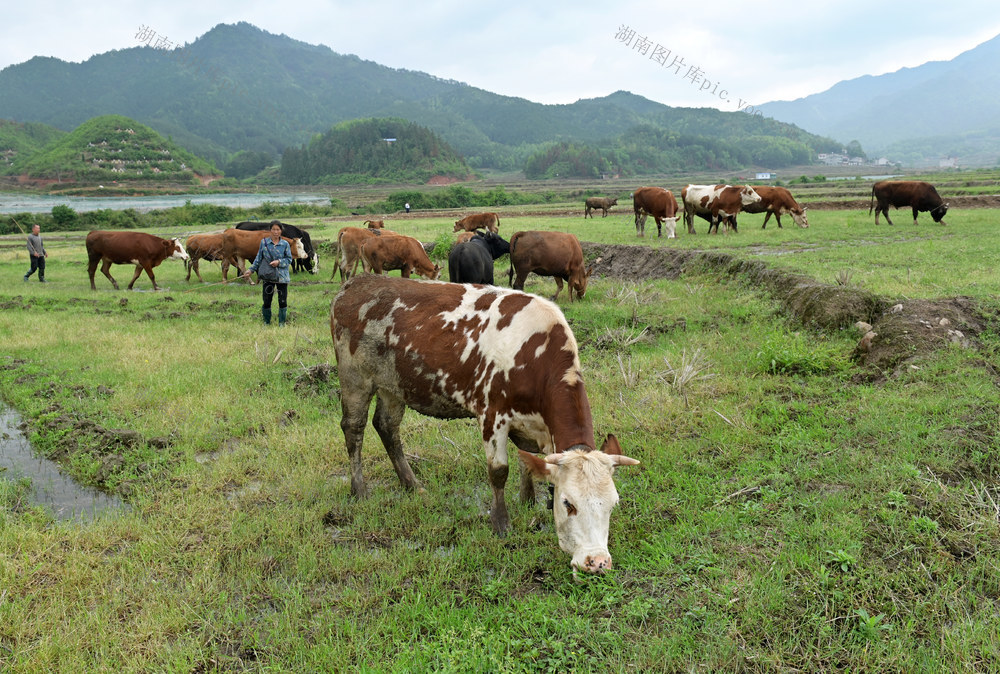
593	203
472	262
507	359
777	201
471	223
556	254
203	247
659	203
145	251
916	194
385	253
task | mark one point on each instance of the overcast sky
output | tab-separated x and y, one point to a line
555	51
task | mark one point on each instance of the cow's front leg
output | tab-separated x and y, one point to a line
527	490
496	464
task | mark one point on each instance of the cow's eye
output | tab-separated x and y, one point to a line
570	508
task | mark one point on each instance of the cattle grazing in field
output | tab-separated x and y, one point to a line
375	224
593	203
505	358
309	262
382	254
349	240
239	244
202	247
716	203
471	223
916	194
145	251
556	254
777	201
659	203
472	261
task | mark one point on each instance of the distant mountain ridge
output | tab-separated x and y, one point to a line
938	109
239	88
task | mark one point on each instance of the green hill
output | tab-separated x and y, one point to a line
18	141
113	148
373	150
239	88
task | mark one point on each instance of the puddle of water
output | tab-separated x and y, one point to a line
49	486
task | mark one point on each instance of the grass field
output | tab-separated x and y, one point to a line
793	511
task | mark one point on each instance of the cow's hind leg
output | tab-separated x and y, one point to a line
559	286
388	416
914	215
105	269
354	400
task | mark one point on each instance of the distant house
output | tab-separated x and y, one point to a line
764	176
948	162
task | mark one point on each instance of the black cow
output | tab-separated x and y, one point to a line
472	262
310	263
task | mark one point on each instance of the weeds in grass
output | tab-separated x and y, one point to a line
689	369
630	374
870	627
621	337
841	559
843	277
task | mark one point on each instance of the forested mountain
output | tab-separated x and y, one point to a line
238	88
372	150
112	148
938	109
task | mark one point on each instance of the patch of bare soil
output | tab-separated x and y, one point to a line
897	331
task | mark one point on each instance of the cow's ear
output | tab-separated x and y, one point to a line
614	450
536	464
590	270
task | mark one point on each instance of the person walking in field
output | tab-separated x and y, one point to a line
274	257
37	253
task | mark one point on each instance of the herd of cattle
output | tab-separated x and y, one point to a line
469	349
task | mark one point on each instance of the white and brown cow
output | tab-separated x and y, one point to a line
715	203
508	359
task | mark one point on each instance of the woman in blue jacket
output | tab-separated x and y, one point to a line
274	257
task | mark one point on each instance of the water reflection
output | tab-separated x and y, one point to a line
49	486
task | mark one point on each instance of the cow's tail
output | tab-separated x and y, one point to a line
872	204
510	257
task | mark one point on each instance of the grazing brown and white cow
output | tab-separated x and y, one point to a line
382	254
715	203
504	357
556	254
916	194
145	251
593	203
239	244
471	223
203	247
659	203
777	201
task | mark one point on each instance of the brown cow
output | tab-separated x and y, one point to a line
593	203
916	194
349	240
386	253
464	237
375	224
777	201
716	203
556	254
239	244
503	357
659	203
471	223
145	251
203	247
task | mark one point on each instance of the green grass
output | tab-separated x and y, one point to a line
787	515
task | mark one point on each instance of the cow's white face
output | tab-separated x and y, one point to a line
749	196
584	495
179	252
298	250
801	219
671	226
